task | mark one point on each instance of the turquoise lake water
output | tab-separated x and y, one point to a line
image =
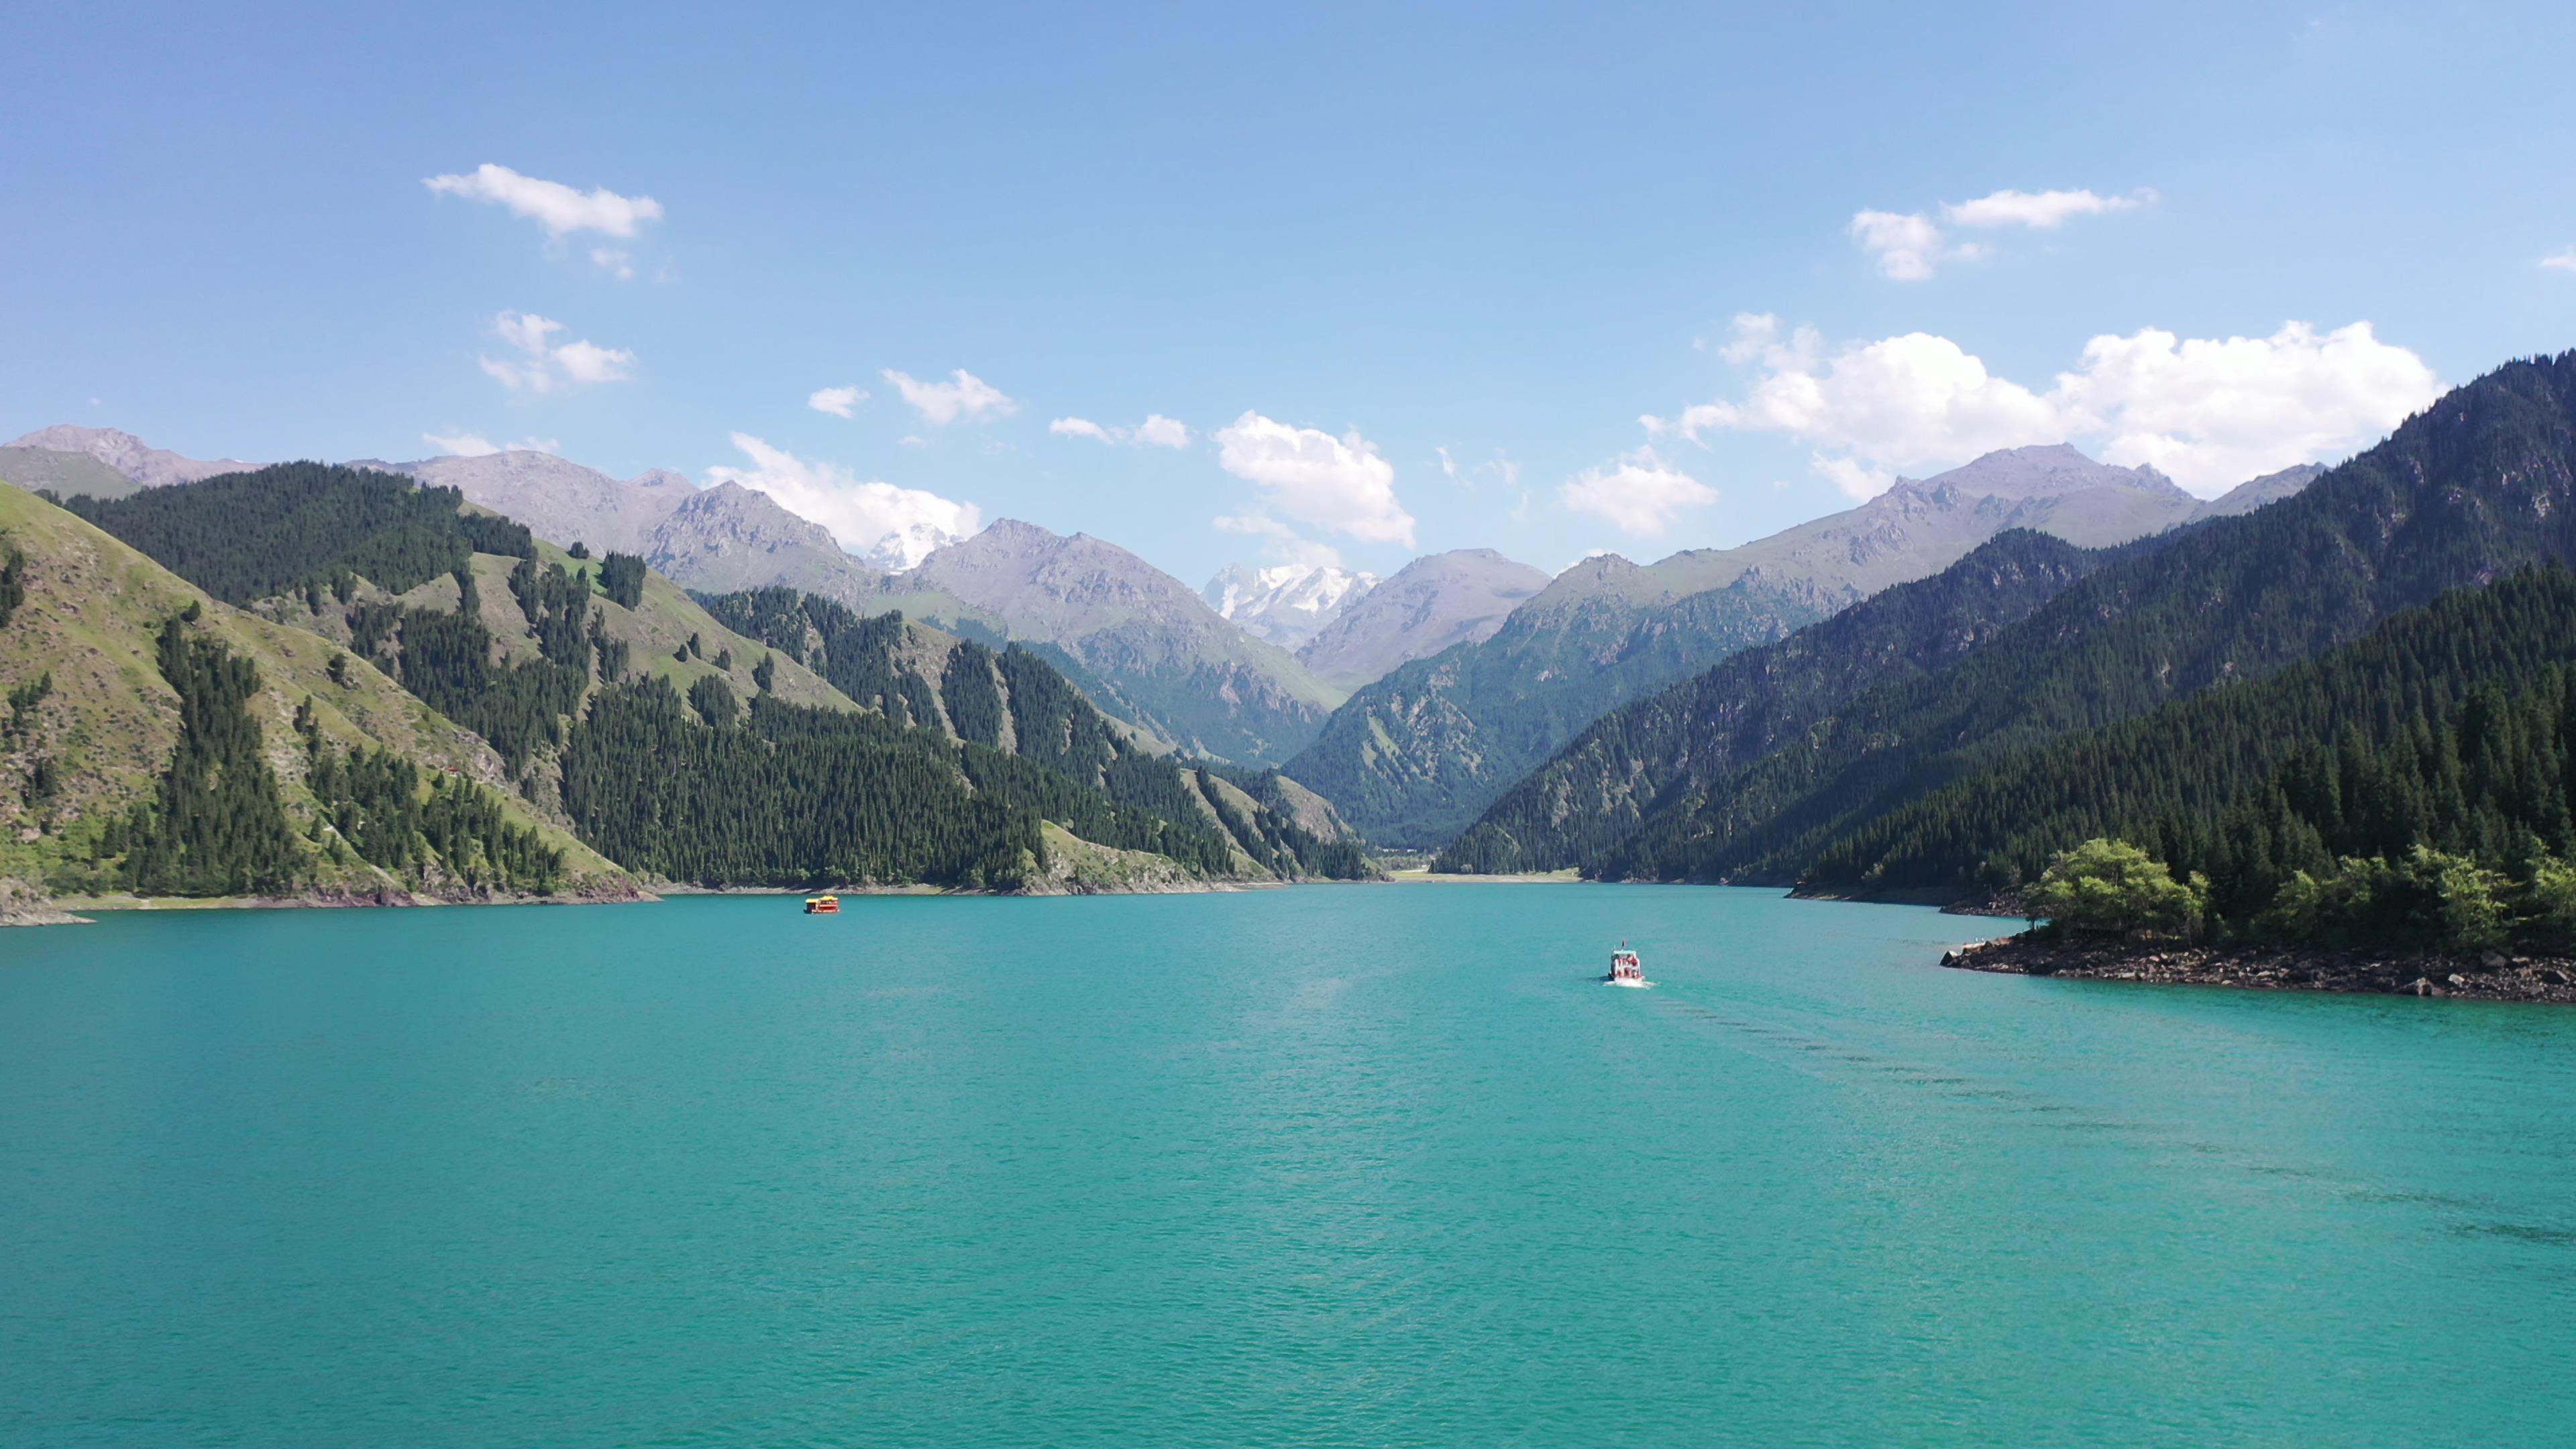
1333	1165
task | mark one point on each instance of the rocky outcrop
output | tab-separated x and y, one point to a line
24	903
2485	976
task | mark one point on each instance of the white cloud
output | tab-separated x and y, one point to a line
1904	244
941	403
1336	483
1157	431
2563	261
889	526
1448	465
1286	544
475	445
2043	209
621	264
558	208
2210	413
1637	492
590	362
840	402
541	365
1909	246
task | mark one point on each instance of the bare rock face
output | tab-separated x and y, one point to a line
560	500
128	455
1436	601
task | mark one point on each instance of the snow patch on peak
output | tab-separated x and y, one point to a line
1285	604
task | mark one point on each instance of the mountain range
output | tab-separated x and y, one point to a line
1947	738
1419	753
313	679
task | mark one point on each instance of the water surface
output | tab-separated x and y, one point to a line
1334	1165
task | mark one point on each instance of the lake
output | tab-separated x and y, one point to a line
1331	1165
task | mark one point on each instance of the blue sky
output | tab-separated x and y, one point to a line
1330	243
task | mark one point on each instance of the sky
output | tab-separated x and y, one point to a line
1262	284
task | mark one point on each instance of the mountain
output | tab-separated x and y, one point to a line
1147	648
557	498
2481	483
127	455
2254	493
1417	755
159	738
1287	604
1596	790
611	703
63	474
2206	781
718	539
1441	599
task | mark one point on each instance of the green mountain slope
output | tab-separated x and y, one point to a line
2479	484
1415	756
1145	645
1017	702
624	709
1597	790
2200	780
95	720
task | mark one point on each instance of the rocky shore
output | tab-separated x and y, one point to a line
2488	977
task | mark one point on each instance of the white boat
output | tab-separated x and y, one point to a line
1626	969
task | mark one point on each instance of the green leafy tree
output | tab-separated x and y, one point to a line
2111	885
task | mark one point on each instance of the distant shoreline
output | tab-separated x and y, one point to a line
2488	977
1427	877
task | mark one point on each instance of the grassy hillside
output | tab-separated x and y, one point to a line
103	733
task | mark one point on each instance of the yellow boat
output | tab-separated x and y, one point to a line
822	905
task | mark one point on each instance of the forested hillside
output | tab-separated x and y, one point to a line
1597	790
2478	485
1014	702
1415	756
245	536
2213	782
157	739
625	710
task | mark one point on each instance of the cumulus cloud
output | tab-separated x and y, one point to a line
1909	246
2214	412
1336	483
964	396
619	264
889	526
840	402
558	208
1157	431
2562	261
1639	493
2210	413
475	445
539	364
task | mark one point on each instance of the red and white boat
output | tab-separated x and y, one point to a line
1626	969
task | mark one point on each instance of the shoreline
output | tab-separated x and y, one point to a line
2490	976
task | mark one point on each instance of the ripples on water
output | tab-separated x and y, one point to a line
1337	1165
